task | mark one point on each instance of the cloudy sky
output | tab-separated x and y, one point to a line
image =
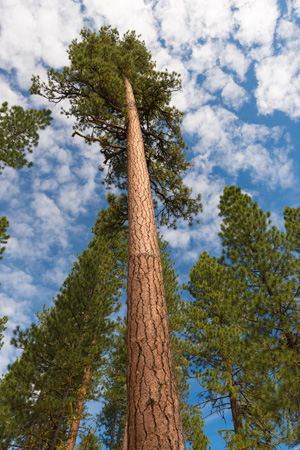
240	63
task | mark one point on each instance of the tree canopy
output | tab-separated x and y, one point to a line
19	134
93	83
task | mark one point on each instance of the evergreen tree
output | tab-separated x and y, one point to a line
112	418
243	324
89	442
18	134
3	321
120	101
227	359
43	388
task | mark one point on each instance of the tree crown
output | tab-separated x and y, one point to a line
93	83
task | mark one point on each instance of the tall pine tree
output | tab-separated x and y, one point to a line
120	101
243	324
45	390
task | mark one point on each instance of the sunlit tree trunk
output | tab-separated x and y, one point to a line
79	408
154	419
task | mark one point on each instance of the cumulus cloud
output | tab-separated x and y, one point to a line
278	74
34	33
134	15
185	22
255	23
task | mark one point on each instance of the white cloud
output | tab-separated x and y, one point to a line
134	15
294	7
235	60
18	283
32	32
185	22
279	84
232	94
255	23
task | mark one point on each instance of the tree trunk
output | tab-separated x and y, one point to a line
235	409
154	418
125	439
112	436
79	408
60	418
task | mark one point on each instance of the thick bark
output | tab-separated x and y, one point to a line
154	418
79	408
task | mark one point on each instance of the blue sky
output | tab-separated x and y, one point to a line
240	65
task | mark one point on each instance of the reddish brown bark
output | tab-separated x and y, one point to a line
79	408
154	419
235	407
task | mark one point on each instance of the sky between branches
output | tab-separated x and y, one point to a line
240	64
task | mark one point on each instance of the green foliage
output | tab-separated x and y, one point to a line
4	223
89	442
94	85
3	321
113	392
19	134
242	325
40	391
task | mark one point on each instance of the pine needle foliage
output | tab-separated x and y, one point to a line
40	391
19	134
93	84
242	325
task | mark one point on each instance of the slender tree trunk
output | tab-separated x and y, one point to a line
112	436
125	439
79	408
235	407
154	418
60	418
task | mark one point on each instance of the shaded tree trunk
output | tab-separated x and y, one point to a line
112	436
60	418
79	408
235	407
125	439
154	418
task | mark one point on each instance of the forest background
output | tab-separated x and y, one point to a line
239	62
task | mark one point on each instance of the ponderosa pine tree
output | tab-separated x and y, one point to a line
243	324
113	393
227	359
266	263
45	390
120	101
